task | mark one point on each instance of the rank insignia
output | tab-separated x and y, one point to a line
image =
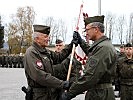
93	62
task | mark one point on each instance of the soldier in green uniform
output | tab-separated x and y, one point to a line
122	50
100	65
125	73
59	44
62	73
116	82
38	64
76	65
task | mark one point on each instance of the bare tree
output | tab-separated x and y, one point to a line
130	34
120	28
58	28
62	31
21	28
50	21
109	25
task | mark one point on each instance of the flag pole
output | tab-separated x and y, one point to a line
74	47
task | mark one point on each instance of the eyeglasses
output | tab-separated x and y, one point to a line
89	29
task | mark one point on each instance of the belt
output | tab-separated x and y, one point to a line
102	86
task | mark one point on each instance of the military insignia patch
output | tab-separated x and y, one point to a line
39	64
93	62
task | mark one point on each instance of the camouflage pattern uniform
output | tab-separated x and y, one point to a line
125	75
99	70
121	54
116	81
40	73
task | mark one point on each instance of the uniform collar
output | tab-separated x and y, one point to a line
128	59
39	48
103	38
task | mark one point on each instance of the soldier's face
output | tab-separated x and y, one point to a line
90	32
59	47
129	51
43	40
122	49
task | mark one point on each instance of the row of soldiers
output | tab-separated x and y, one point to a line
124	72
11	61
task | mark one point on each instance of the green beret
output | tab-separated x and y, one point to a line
42	29
94	19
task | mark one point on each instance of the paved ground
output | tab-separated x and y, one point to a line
11	81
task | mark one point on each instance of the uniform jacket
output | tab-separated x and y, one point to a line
62	72
38	63
125	71
100	65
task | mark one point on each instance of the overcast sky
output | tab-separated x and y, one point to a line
66	9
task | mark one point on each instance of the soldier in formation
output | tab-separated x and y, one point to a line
11	61
125	74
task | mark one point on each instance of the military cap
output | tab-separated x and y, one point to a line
94	19
128	45
58	41
42	29
122	46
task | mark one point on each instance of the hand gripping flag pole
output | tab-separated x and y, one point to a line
73	49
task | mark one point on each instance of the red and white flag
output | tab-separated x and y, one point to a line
80	55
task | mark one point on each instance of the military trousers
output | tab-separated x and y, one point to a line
100	94
45	94
126	92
